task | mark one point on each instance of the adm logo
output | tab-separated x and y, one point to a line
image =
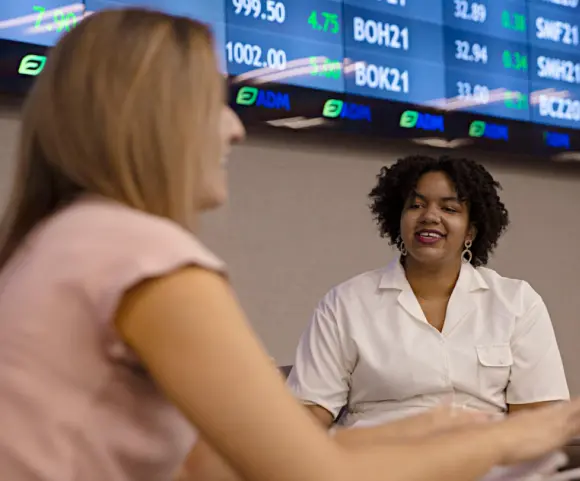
335	108
411	119
263	98
479	129
31	65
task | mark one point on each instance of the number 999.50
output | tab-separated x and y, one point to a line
268	10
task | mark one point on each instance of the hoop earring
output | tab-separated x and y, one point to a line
403	249
467	255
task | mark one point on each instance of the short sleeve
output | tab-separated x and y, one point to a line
163	249
325	359
537	373
121	247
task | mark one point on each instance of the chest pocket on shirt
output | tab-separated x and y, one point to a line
494	365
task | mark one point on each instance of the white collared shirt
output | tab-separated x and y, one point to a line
369	347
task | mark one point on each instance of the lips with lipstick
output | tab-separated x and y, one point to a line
429	236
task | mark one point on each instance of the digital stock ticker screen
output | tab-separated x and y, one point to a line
496	72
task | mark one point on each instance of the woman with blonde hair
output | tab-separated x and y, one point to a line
119	331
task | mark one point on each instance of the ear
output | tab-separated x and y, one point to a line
471	233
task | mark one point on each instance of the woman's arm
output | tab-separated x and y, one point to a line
203	463
191	334
537	375
326	356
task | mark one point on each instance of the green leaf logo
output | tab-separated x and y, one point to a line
477	128
247	96
32	65
332	108
409	119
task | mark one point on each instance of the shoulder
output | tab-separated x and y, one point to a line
360	289
517	295
109	230
102	249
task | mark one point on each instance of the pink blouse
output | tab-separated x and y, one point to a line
75	403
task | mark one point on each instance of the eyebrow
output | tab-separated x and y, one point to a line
444	199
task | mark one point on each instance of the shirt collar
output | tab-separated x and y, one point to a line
393	277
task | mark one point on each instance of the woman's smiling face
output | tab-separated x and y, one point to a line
435	223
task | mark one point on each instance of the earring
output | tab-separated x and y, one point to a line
403	249
467	255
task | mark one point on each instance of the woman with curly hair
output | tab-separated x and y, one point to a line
435	324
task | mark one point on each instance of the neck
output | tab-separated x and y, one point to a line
432	282
192	224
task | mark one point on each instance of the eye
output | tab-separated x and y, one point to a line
415	206
450	210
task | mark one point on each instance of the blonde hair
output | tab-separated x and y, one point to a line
127	107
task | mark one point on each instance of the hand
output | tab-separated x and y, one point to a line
530	434
436	421
439	420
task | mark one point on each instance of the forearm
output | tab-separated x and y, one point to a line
463	455
204	464
436	421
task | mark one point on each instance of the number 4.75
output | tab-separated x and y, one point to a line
328	21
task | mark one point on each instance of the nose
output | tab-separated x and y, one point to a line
430	215
237	129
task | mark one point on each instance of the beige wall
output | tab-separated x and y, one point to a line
298	224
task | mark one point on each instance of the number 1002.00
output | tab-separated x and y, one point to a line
252	56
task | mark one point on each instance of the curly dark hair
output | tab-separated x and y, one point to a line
474	184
